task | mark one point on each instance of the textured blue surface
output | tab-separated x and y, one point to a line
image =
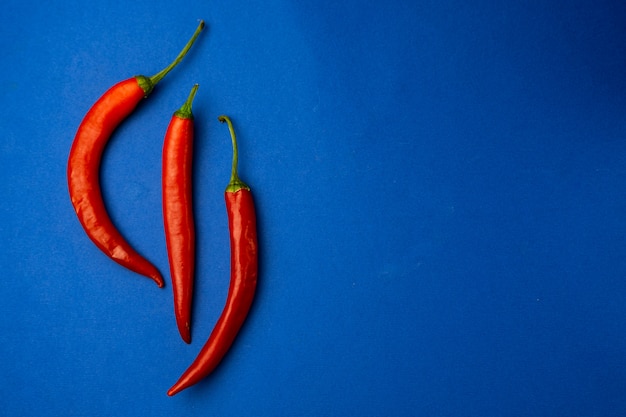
441	196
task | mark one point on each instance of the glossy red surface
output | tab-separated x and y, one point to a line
178	217
83	174
243	281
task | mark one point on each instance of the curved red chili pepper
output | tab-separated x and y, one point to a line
243	278
178	211
83	170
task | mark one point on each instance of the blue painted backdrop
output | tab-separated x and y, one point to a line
441	196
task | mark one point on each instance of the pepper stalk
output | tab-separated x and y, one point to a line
235	183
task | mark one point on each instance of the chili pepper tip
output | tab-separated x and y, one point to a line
159	280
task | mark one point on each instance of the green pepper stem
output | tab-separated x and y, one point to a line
185	111
235	183
148	83
159	76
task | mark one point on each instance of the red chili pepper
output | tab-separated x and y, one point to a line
178	211
243	277
83	170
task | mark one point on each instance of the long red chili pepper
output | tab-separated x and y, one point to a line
243	278
178	211
83	170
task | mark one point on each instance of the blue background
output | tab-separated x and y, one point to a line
440	195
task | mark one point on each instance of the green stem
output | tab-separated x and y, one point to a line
148	83
235	183
185	111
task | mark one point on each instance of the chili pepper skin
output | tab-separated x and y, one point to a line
178	211
83	170
243	278
83	175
